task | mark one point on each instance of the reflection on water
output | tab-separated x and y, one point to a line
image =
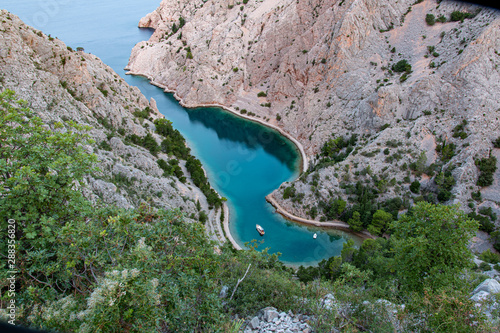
252	135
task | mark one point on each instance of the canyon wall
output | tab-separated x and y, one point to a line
324	69
61	84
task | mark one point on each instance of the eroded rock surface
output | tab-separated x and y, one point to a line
61	85
325	68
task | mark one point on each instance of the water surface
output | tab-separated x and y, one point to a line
245	161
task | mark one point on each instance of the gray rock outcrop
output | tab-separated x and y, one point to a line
270	320
486	296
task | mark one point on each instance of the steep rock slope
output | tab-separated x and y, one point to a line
60	85
329	66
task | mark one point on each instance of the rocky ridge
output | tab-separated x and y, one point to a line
61	84
315	67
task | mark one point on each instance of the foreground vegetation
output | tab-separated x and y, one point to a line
84	267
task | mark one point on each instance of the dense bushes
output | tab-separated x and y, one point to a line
487	167
420	266
402	66
147	141
446	150
335	150
173	142
430	19
415	187
195	169
172	168
496	143
144	114
445	182
289	192
333	209
459	16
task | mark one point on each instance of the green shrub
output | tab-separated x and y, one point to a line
333	208
441	19
487	167
174	143
166	167
383	127
490	257
355	223
194	167
415	187
336	150
476	196
105	145
447	151
484	267
488	212
442	256
144	114
202	217
430	19
261	94
380	222
485	223
496	143
459	16
289	192
402	66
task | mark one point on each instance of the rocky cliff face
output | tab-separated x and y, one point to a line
327	68
61	84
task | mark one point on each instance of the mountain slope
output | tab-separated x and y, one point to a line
61	84
328	69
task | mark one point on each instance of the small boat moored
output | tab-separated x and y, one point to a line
260	229
315	235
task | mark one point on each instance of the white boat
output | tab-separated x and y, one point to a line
315	235
260	229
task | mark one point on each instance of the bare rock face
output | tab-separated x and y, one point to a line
328	67
62	85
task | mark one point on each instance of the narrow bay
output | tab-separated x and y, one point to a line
245	161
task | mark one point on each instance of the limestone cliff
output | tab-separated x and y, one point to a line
61	84
324	67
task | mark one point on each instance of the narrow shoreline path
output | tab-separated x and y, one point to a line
335	224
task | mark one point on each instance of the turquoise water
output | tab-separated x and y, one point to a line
245	161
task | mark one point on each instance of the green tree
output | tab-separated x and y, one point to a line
402	66
430	19
380	222
430	245
39	169
355	223
415	187
487	167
